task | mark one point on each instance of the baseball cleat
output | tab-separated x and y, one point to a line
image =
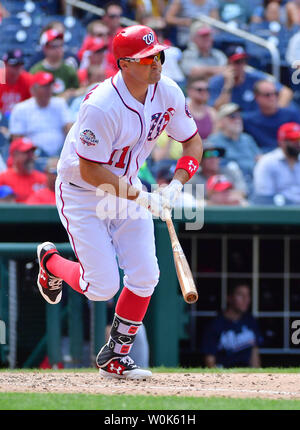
49	286
119	367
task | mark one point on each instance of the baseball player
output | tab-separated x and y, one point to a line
100	199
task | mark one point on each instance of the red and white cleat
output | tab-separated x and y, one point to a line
119	367
49	286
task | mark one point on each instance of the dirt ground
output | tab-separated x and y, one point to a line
263	385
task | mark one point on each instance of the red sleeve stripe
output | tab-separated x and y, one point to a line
183	141
88	159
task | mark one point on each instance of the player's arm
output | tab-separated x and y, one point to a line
97	175
192	149
186	167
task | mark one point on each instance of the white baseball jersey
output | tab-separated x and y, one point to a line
116	130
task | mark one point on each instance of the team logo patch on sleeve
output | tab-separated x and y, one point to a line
88	138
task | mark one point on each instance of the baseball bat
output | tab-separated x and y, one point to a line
184	274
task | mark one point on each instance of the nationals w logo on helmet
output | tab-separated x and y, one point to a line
148	38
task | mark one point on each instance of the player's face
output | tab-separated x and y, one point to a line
145	73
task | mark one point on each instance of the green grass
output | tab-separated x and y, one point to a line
52	401
60	401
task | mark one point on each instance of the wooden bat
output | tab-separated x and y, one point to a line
184	274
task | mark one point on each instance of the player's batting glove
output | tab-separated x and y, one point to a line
154	202
171	193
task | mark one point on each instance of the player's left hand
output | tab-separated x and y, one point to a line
171	193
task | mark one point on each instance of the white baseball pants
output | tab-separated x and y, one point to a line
97	242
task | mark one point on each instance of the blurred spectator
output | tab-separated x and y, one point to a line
94	75
211	165
3	13
237	11
7	194
236	83
182	13
200	59
20	174
17	81
95	55
2	164
204	115
233	338
95	29
264	123
66	79
240	147
165	153
69	57
274	11
43	118
293	50
173	54
145	8
46	196
220	191
277	174
112	20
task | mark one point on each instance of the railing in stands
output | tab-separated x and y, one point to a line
275	56
274	52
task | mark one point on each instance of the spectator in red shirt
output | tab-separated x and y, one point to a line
17	81
46	196
20	174
95	55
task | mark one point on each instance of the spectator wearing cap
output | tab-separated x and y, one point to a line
95	55
66	80
69	57
20	174
43	118
277	173
95	29
181	14
7	194
200	59
264	123
240	147
46	196
17	82
204	115
220	191
237	82
211	165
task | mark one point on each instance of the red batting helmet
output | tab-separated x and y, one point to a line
136	41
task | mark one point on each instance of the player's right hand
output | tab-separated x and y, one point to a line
154	202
